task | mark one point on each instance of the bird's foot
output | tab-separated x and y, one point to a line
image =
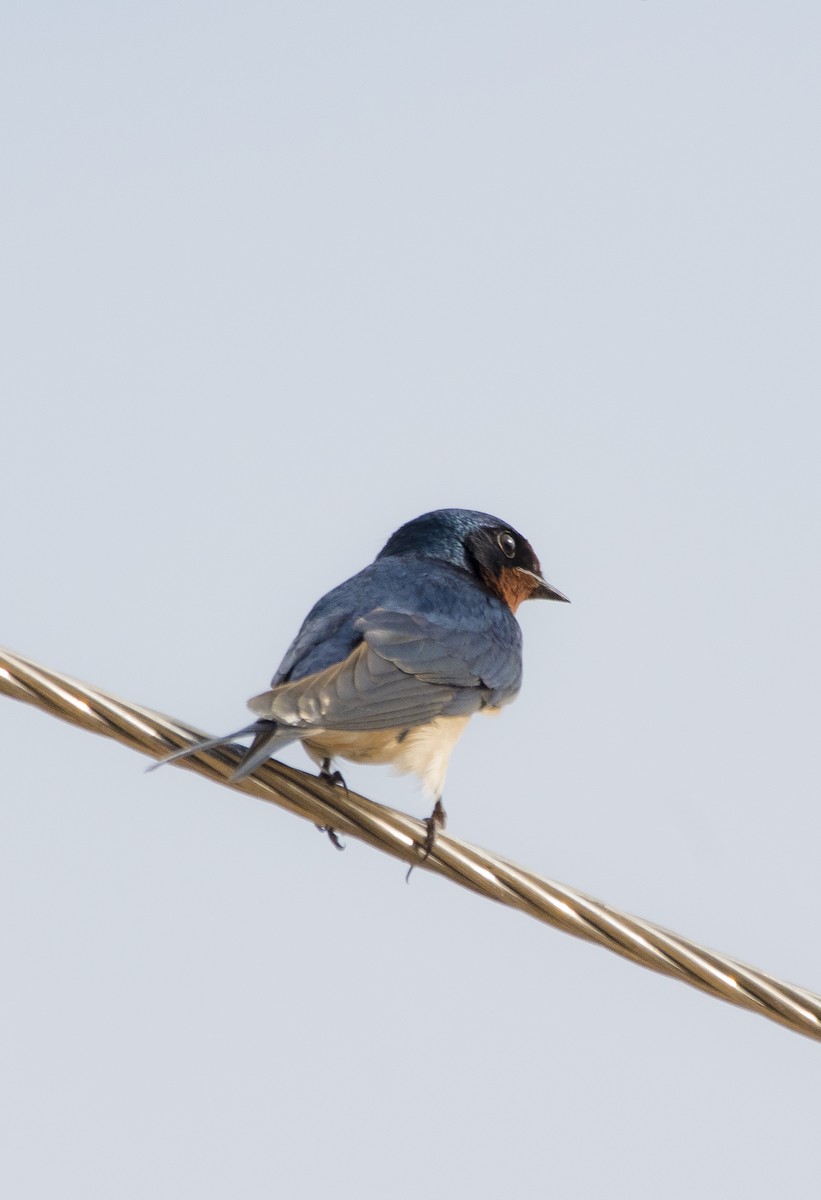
333	836
332	778
435	821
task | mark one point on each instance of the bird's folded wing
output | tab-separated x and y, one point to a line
364	691
405	671
460	652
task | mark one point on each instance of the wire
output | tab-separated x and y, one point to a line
402	836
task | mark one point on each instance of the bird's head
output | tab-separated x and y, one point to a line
490	549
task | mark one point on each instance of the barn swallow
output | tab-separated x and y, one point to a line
389	666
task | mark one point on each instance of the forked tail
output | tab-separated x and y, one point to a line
268	736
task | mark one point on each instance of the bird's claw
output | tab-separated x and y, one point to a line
333	779
435	821
333	836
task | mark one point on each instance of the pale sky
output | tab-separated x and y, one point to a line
275	279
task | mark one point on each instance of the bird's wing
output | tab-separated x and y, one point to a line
405	670
324	639
460	650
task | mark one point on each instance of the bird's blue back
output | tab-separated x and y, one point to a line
468	637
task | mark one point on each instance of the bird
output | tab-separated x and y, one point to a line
389	666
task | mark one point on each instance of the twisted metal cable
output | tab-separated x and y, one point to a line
402	836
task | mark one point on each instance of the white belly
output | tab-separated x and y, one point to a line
423	750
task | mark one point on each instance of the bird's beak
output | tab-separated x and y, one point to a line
543	590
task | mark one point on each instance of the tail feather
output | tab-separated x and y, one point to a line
267	736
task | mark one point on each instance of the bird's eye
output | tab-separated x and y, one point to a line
507	544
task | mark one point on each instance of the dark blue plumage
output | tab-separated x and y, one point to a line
389	665
462	619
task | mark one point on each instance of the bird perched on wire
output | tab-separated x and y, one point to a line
389	666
